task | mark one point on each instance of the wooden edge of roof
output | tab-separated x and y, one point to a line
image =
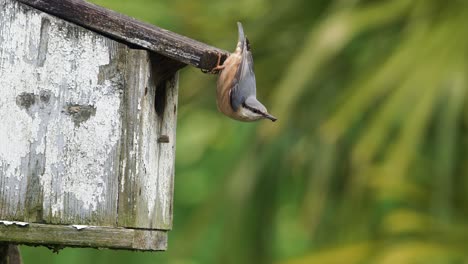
131	31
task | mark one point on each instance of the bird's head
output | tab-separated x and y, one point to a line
251	110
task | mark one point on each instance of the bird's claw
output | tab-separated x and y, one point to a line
217	68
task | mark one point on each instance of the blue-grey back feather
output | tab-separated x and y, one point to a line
241	35
245	84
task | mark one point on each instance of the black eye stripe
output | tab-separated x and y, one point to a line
253	109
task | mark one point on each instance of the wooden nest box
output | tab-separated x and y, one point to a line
88	105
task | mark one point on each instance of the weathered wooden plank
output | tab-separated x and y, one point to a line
88	125
10	254
118	26
146	201
84	236
59	139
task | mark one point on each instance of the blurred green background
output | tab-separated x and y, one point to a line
368	162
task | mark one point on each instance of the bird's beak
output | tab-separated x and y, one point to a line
272	118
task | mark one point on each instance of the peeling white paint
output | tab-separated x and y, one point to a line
77	162
6	223
166	169
9	223
122	180
40	149
82	175
81	227
17	126
149	150
75	156
158	159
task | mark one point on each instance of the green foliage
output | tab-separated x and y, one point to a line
367	163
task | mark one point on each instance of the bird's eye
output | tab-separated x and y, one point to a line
256	111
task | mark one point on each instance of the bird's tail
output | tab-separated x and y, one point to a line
241	41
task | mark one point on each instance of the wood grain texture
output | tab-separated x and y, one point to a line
59	236
10	254
59	142
82	121
145	201
129	30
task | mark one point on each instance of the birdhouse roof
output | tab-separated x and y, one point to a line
131	31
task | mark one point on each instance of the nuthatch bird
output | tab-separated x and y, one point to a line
236	89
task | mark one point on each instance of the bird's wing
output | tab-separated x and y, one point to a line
245	79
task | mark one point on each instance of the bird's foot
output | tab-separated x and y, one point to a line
218	67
